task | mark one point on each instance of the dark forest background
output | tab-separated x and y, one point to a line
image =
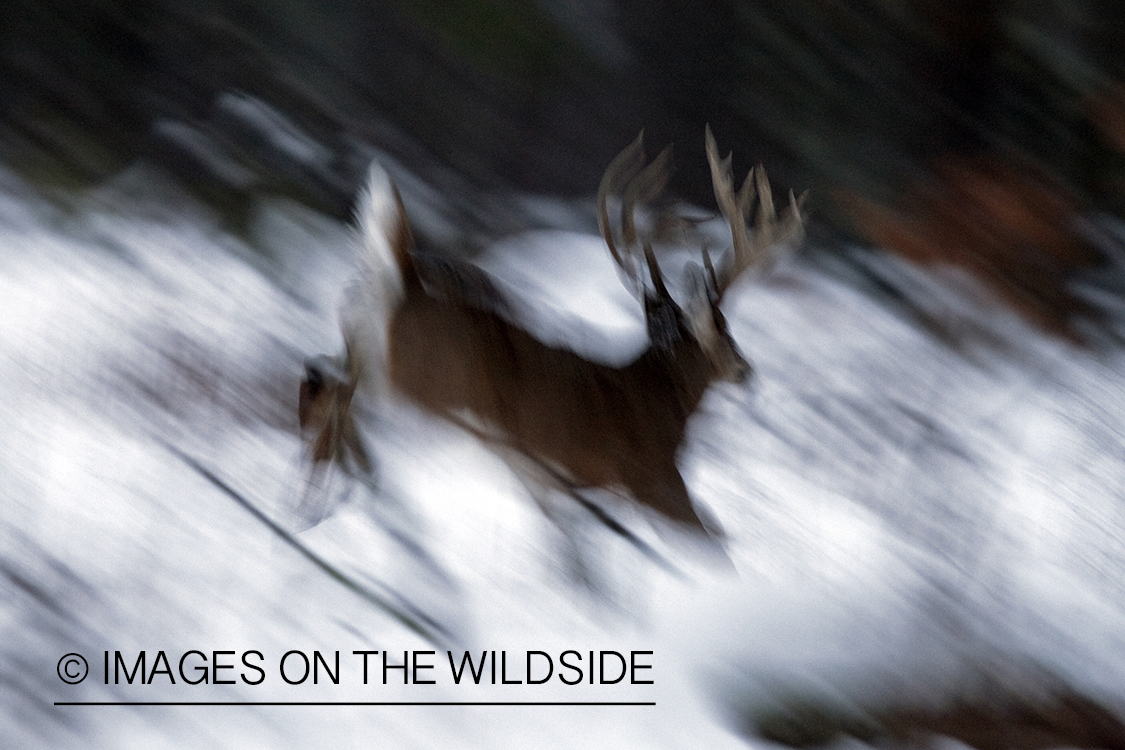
967	131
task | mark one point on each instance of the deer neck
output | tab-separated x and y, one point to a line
683	372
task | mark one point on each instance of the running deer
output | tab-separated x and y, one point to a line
436	334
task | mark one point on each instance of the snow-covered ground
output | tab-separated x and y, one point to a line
908	521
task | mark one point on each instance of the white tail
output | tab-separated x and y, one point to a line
432	331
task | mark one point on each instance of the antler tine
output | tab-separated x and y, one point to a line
710	268
618	174
749	250
644	188
730	205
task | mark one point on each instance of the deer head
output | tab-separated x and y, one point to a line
701	320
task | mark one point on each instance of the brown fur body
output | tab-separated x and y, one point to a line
595	425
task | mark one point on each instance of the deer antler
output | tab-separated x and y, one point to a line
637	184
644	188
750	250
618	175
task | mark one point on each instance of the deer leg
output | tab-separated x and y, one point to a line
538	480
553	513
333	440
598	512
538	477
664	491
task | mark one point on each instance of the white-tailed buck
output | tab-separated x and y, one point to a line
436	334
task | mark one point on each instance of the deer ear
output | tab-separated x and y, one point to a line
701	285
